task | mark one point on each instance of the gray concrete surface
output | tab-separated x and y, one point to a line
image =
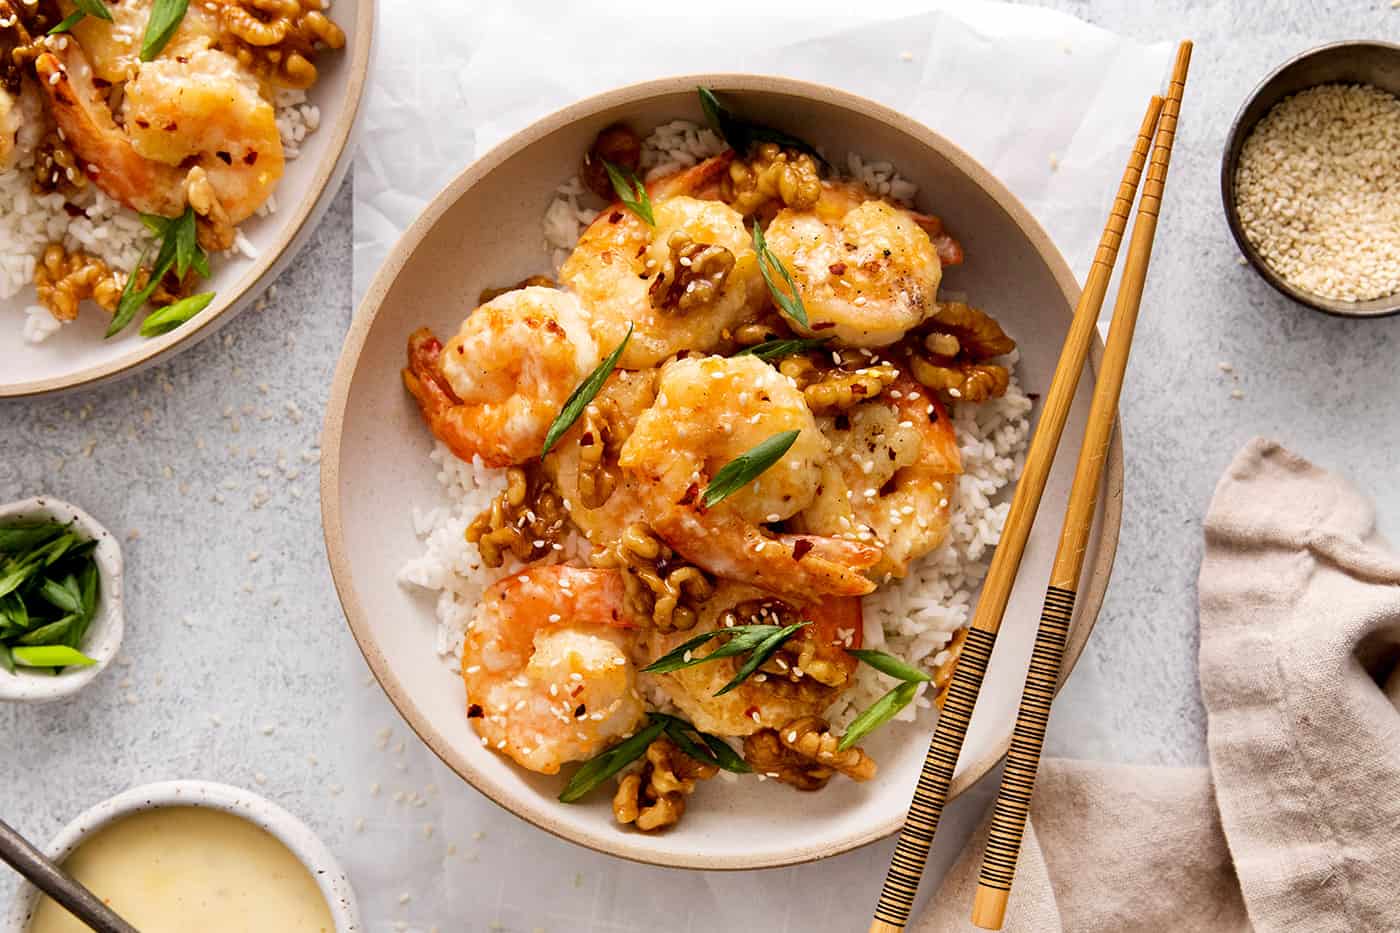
236	657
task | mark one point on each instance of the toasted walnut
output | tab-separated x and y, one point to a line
278	40
64	280
618	144
56	168
656	582
216	232
804	754
692	276
953	357
978	333
487	294
970	382
811	738
654	797
829	390
771	327
774	173
943	672
525	519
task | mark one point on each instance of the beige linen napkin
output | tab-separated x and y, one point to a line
1296	824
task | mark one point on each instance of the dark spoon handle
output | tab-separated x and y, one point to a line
58	884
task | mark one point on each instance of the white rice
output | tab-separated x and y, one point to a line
913	618
29	222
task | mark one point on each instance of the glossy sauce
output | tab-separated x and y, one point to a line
176	869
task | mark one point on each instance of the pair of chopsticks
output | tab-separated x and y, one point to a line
1157	134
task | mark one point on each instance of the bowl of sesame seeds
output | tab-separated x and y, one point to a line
1310	179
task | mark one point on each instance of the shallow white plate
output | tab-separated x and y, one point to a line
484	230
78	356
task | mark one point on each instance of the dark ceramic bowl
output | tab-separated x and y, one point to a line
1351	62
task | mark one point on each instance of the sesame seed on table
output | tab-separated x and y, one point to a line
237	665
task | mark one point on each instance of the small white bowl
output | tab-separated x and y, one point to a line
104	636
285	828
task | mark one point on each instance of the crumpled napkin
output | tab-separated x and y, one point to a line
1295	826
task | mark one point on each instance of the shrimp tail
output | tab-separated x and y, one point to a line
442	410
80	110
797	566
699	181
949	249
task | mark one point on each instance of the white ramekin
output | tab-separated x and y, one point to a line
104	636
290	831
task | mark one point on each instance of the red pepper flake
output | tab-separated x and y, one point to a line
607	257
614	217
800	548
823	325
474	712
580	712
837	268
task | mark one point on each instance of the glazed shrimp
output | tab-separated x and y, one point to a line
866	270
197	131
891	477
802	679
707	412
547	669
497	386
680	284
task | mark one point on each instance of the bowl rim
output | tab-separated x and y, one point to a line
331	879
104	636
619	844
1388	305
270	261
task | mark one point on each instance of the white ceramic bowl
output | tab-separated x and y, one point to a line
484	230
104	636
290	831
78	355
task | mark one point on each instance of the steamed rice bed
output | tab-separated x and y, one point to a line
913	618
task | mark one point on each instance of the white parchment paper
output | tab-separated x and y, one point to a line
1048	103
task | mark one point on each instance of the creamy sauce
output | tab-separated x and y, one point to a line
177	869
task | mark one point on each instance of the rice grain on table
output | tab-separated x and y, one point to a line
913	618
1318	191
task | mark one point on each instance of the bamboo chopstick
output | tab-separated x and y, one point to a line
907	866
1023	759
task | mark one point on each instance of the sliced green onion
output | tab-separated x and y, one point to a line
581	396
165	19
748	466
790	301
630	191
889	664
776	349
879	713
605	764
164	320
50	656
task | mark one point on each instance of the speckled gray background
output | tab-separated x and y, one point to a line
236	658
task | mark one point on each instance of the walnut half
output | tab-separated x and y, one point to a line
63	280
654	797
952	358
804	754
525	519
774	173
656	583
692	277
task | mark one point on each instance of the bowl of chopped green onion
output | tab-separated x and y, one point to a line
60	599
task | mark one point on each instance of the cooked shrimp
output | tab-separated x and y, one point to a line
497	386
197	131
707	412
113	49
602	500
891	476
206	107
865	270
547	669
802	679
680	284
